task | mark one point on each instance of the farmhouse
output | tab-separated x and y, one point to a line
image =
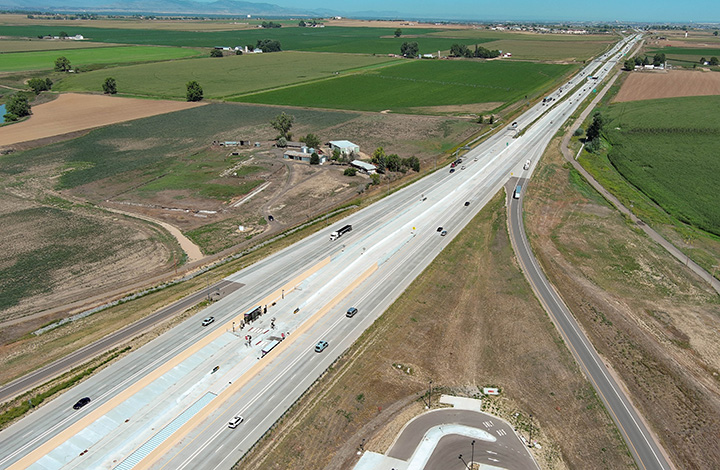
303	155
365	167
345	147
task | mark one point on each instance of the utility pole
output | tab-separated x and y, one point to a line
430	394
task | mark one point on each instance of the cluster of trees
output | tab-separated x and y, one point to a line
308	23
16	107
194	91
62	64
39	85
268	45
461	50
398	33
311	140
712	61
658	59
592	135
216	53
409	49
393	162
110	87
270	24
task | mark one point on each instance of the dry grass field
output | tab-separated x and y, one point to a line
470	320
654	322
671	84
73	112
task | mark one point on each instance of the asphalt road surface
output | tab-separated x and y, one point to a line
507	451
640	442
181	389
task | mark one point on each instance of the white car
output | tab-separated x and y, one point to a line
208	320
235	422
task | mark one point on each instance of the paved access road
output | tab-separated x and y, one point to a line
181	389
505	450
641	443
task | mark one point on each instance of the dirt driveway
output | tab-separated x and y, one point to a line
74	112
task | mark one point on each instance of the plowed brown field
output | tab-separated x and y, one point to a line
74	112
653	85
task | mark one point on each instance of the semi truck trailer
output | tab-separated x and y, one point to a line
339	233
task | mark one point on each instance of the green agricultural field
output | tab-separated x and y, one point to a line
530	48
156	153
45	60
667	148
420	83
44	45
328	39
686	56
221	77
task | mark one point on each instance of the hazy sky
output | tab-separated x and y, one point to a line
698	11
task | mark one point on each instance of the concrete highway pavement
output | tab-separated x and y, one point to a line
396	237
52	370
640	441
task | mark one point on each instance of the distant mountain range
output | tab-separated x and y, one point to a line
219	7
179	7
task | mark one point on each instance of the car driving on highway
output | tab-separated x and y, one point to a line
208	320
235	421
320	347
81	402
351	312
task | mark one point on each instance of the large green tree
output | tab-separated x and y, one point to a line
62	64
38	84
216	53
593	131
283	123
713	61
629	65
16	107
194	91
109	86
312	141
409	49
398	33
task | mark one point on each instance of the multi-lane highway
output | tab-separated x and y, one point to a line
167	404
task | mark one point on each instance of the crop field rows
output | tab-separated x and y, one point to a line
419	84
671	160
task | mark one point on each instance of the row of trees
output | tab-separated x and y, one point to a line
712	61
393	162
308	23
592	135
270	24
269	45
658	59
461	50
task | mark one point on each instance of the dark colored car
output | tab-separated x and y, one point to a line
81	402
439	229
467	203
452	170
443	233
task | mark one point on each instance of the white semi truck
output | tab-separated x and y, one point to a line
339	233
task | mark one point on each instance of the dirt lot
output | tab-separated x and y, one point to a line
651	85
655	323
74	112
479	326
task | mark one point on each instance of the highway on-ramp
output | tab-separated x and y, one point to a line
640	442
167	404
